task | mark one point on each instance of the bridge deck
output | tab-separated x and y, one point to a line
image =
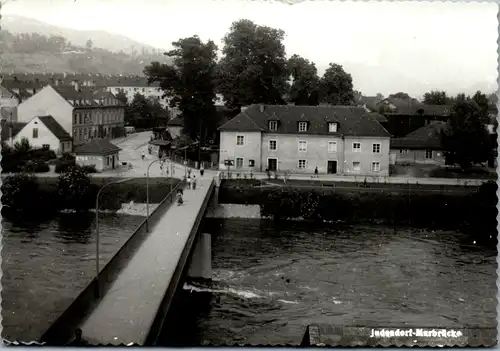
126	312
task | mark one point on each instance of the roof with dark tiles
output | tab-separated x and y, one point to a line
427	137
352	121
55	128
87	95
415	107
97	147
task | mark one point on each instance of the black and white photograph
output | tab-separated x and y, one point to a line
195	173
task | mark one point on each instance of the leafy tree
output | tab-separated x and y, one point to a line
436	98
74	189
190	81
19	192
122	97
253	68
89	44
22	148
466	140
493	98
336	86
401	95
305	81
380	96
484	104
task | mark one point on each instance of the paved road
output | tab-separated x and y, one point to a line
135	144
126	312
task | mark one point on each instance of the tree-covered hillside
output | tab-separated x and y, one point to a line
36	53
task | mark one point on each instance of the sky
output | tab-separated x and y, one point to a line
387	47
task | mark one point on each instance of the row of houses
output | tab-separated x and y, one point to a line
64	117
333	139
23	86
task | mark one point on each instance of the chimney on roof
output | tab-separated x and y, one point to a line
261	108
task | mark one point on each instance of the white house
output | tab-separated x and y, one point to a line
45	132
47	102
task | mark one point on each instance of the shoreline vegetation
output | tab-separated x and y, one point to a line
75	191
473	212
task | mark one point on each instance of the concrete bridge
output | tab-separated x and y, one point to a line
138	284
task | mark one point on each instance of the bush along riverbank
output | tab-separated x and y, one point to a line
473	212
75	191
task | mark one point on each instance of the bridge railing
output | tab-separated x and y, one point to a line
180	271
62	330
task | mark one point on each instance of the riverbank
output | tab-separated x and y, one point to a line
471	210
46	200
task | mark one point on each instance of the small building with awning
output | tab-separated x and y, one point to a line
160	147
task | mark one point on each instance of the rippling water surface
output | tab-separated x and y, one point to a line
46	265
271	282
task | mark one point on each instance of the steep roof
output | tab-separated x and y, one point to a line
97	147
88	95
427	137
415	107
55	128
370	102
352	121
6	93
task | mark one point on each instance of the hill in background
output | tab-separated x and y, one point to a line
30	46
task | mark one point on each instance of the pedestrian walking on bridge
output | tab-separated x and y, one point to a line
193	182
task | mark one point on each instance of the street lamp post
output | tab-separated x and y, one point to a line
185	158
147	191
97	230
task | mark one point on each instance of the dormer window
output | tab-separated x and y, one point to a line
273	126
302	126
332	127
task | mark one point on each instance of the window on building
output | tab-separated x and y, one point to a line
35	133
302	146
239	140
302	126
403	151
75	119
356	166
272	144
251	163
332	127
273	126
302	164
46	146
332	146
375	166
428	154
239	162
356	147
376	148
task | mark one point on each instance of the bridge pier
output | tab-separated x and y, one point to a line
201	260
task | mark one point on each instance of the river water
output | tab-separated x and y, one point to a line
46	265
271	282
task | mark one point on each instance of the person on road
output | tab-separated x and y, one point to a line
143	155
193	182
202	170
316	172
180	201
189	180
